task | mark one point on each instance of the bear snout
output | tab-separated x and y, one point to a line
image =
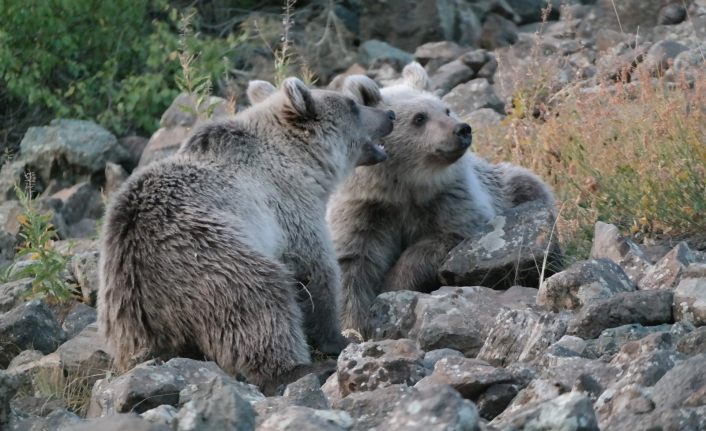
463	130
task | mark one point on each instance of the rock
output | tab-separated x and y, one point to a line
371	408
537	392
37	406
307	392
437	407
8	246
483	118
645	361
372	364
408	25
115	176
9	384
612	340
633	14
84	267
297	417
667	272
70	149
134	145
433	356
643	307
508	250
216	406
497	32
29	325
331	390
532	10
472	96
9	211
162	415
583	282
11	173
661	56
521	336
470	377
59	419
80	316
680	383
374	52
163	143
449	76
693	343
690	301
568	371
671	14
183	111
432	55
149	385
120	422
24	357
451	317
14	293
570	411
609	243
630	399
80	201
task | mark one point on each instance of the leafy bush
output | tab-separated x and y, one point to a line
113	62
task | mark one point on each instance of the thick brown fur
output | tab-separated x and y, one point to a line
393	224
222	251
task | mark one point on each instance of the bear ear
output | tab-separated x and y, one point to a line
362	89
259	91
415	76
301	102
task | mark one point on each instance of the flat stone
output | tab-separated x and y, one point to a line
643	307
583	282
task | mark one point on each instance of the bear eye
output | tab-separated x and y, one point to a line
419	119
353	106
448	112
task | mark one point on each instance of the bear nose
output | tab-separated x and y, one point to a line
462	130
391	115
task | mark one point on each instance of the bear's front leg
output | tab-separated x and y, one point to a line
319	280
418	265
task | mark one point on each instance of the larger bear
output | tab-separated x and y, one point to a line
223	252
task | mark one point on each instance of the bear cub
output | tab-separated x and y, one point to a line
393	224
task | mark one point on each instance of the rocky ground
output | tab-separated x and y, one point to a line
616	342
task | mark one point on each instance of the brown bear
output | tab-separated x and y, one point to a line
222	251
393	224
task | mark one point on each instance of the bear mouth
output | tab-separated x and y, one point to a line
373	153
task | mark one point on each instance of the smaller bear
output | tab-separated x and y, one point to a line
223	252
394	224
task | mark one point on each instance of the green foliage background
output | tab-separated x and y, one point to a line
113	62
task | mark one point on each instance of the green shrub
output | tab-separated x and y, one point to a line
110	61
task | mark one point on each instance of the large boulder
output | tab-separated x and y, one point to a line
408	25
67	150
509	250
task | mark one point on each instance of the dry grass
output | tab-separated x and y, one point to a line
633	155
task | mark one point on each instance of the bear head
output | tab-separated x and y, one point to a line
427	137
349	129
